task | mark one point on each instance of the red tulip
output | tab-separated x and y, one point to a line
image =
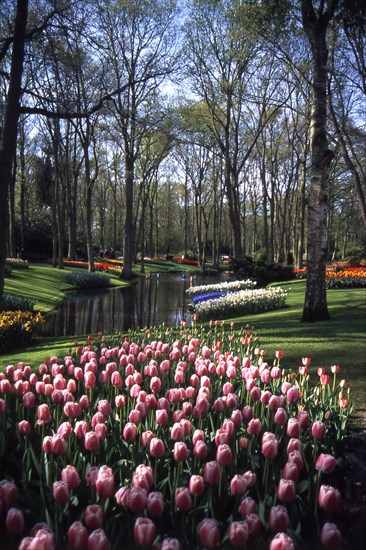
224	455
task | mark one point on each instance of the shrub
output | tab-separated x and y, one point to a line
82	279
18	303
261	271
8	270
17	263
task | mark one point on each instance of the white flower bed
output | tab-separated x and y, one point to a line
241	303
233	286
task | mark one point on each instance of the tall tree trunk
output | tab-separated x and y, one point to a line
129	229
315	25
9	135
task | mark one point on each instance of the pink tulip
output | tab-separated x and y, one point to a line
93	517
254	524
325	463
130	432
281	541
211	472
296	458
318	430
330	536
269	445
91	442
105	482
144	532
286	491
156	447
44	414
278	519
280	417
196	485
183	499
329	498
304	419
247	506
9	493
238	485
24	427
14	521
170	544
292	395
254	426
293	428
290	471
71	476
58	445
208	533
61	492
155	504
180	451
200	450
98	540
77	536
239	533
137	498
293	445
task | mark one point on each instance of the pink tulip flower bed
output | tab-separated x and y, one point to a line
172	439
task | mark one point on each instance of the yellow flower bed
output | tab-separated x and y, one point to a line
17	327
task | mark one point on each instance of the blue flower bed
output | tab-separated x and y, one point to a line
207	296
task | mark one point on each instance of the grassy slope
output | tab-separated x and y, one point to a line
339	341
44	283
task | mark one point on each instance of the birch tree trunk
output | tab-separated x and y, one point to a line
315	23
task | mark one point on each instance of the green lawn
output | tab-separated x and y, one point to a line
339	341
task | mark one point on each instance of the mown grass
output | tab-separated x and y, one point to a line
341	340
46	284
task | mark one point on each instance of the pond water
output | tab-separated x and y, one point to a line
152	301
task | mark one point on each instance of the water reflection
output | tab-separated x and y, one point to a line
154	300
